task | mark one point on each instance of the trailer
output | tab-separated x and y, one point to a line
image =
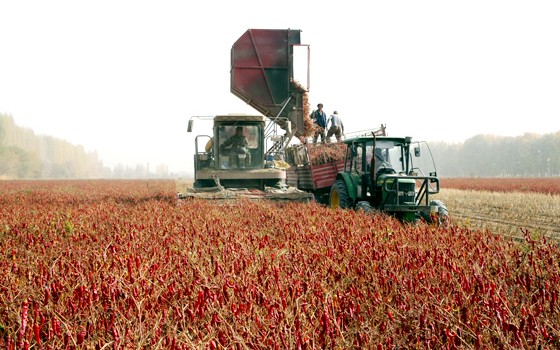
313	167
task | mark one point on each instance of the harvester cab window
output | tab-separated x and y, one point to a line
249	131
238	145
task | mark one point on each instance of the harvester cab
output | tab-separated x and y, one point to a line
233	156
240	142
390	174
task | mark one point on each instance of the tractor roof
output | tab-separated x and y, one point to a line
360	139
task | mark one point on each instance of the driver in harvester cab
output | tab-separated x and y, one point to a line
239	146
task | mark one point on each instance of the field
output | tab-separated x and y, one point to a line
124	265
506	207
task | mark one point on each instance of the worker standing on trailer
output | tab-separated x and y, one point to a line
336	128
319	117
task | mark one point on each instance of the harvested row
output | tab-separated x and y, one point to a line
505	213
116	271
545	185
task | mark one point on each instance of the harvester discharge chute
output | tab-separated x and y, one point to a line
262	75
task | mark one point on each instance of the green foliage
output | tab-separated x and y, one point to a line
68	227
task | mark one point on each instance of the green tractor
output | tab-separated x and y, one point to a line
386	174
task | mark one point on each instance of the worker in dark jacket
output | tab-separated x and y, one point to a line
319	117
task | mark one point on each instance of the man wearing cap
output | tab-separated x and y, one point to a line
319	117
336	129
239	145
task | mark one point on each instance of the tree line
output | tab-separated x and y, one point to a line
25	155
528	155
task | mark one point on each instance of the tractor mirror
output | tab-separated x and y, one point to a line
190	126
417	151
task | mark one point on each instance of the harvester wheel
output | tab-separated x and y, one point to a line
339	197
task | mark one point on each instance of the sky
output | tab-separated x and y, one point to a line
123	77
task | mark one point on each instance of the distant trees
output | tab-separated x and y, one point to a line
26	155
529	155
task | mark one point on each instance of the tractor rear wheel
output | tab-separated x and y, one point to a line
339	197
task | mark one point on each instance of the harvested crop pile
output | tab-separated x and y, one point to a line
325	153
309	127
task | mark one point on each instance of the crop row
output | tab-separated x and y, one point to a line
123	265
547	185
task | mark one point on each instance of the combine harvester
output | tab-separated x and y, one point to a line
262	75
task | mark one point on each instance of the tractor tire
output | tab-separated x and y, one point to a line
441	218
339	197
442	213
365	206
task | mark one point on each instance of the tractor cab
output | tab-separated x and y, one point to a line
374	161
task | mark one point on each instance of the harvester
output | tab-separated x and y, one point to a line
262	75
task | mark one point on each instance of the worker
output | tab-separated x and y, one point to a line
239	146
336	127
319	118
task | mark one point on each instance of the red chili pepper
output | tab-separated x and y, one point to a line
81	336
37	333
24	309
55	327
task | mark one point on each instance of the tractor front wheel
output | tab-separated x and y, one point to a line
339	197
440	216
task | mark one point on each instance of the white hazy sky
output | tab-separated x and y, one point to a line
123	77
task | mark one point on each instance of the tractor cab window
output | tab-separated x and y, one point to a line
387	157
358	153
422	162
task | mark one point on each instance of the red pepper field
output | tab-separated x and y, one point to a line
549	185
124	265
